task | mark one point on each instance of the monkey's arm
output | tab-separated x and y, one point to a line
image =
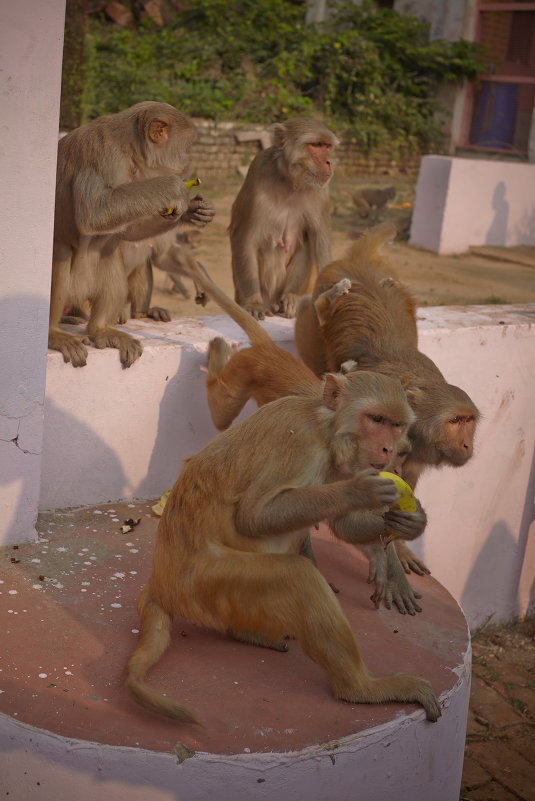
100	209
295	508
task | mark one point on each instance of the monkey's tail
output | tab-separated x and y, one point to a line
154	637
372	240
257	335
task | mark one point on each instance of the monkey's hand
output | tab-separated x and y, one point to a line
72	346
200	212
370	491
391	585
408	525
408	560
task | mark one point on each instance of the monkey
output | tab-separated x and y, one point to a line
266	372
280	227
360	311
371	200
119	178
226	554
165	252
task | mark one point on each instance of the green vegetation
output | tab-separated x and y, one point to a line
370	74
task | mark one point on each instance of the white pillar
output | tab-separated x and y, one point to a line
31	48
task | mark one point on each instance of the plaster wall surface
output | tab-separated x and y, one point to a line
461	203
31	41
112	433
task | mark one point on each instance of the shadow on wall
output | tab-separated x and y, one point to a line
514	586
100	462
23	320
497	233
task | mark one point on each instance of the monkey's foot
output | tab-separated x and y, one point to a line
398	592
287	305
72	346
252	638
401	687
129	348
159	313
254	305
409	561
219	353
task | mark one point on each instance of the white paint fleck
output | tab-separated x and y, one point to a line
43	675
97	512
134	550
116	606
36	561
13	592
37	586
69	673
135	631
61	549
86	583
119	575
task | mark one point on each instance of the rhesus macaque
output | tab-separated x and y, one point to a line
371	200
266	372
360	311
227	547
119	178
167	253
280	227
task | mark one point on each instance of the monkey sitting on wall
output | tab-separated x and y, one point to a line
266	372
227	547
371	200
119	178
360	312
280	227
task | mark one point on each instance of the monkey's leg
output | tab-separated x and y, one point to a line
308	336
278	594
323	303
106	308
70	345
179	286
227	382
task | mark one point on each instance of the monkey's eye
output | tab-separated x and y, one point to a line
455	420
377	418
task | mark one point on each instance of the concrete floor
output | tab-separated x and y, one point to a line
69	621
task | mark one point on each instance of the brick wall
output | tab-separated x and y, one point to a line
218	152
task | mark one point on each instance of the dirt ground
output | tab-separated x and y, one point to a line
500	745
435	280
500	751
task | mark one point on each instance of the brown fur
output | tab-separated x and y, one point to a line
374	325
226	553
115	176
280	227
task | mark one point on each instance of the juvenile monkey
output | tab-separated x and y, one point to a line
360	311
115	177
227	547
371	200
266	372
280	227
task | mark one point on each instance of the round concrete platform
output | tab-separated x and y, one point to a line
271	728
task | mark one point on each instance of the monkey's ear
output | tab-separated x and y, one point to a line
332	389
158	131
279	134
414	395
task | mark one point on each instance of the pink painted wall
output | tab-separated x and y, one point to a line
126	433
462	203
31	42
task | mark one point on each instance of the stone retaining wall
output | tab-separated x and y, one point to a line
218	152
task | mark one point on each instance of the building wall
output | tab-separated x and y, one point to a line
126	433
31	40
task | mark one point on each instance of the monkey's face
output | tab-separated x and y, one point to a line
320	156
455	441
380	435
